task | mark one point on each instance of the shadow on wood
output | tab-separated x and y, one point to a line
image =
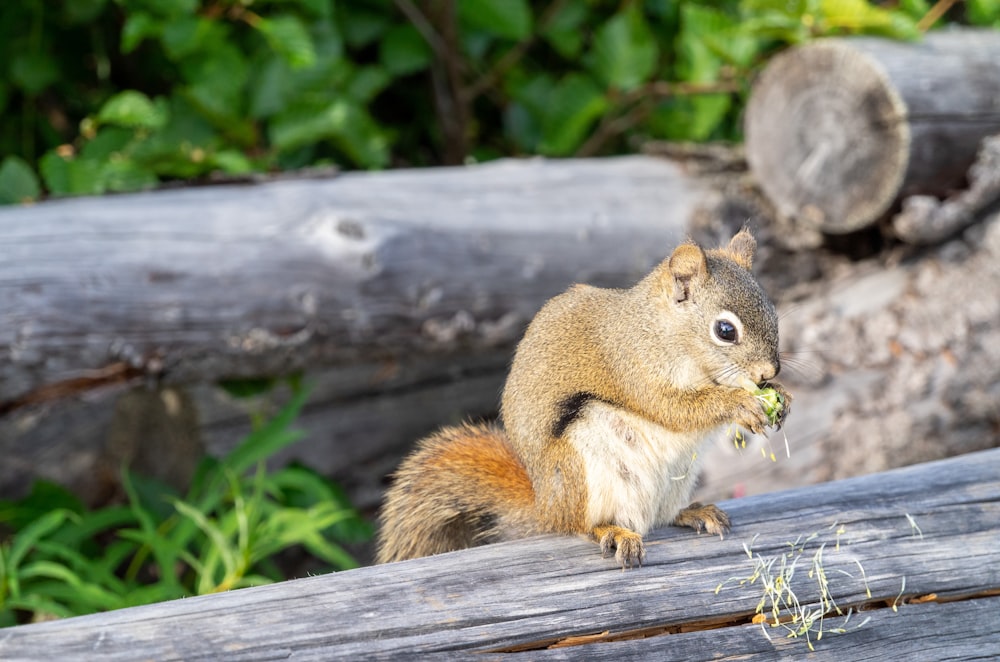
934	526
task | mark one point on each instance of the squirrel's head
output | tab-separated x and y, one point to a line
730	325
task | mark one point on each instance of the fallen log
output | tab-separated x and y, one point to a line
913	549
838	130
201	284
924	219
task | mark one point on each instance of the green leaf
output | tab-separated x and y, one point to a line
403	51
725	37
71	176
109	141
318	8
269	439
625	52
523	119
983	12
574	105
221	545
83	568
44	497
187	35
78	596
288	36
27	537
279	88
860	16
39	606
775	25
133	109
92	523
124	175
166	551
138	27
697	61
510	19
564	30
694	118
217	80
34	72
366	83
18	182
361	27
342	122
164	8
231	162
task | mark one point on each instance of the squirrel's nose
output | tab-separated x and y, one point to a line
766	371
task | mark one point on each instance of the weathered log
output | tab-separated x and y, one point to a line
926	220
199	284
839	129
914	548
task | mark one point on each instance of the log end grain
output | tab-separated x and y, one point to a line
826	136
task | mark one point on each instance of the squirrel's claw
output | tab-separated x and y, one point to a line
628	545
708	518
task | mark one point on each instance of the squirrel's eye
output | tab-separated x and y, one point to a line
726	329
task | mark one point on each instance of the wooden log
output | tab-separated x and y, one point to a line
198	284
936	525
839	129
925	219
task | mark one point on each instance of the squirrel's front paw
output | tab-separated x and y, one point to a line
785	398
628	544
750	413
709	518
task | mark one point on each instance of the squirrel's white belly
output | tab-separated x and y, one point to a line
639	475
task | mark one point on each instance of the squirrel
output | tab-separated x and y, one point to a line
609	397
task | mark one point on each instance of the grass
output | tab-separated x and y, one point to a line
797	587
229	530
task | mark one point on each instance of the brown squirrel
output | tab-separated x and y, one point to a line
610	395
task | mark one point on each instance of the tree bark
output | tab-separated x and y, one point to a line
838	130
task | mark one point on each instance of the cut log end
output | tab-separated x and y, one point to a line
827	137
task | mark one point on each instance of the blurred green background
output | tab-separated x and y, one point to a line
119	95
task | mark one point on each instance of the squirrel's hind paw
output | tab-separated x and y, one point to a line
708	518
628	545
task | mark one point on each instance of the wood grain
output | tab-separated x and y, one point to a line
199	284
533	593
837	130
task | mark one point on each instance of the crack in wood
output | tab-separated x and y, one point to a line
732	620
115	373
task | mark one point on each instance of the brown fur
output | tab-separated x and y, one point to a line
645	352
463	486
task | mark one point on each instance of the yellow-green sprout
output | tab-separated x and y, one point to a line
773	402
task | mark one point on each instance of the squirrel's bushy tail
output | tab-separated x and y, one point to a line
460	488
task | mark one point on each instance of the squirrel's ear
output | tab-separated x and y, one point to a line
687	264
741	248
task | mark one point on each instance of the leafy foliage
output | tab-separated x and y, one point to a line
64	560
118	95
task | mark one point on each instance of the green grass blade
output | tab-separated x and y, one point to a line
270	438
27	537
